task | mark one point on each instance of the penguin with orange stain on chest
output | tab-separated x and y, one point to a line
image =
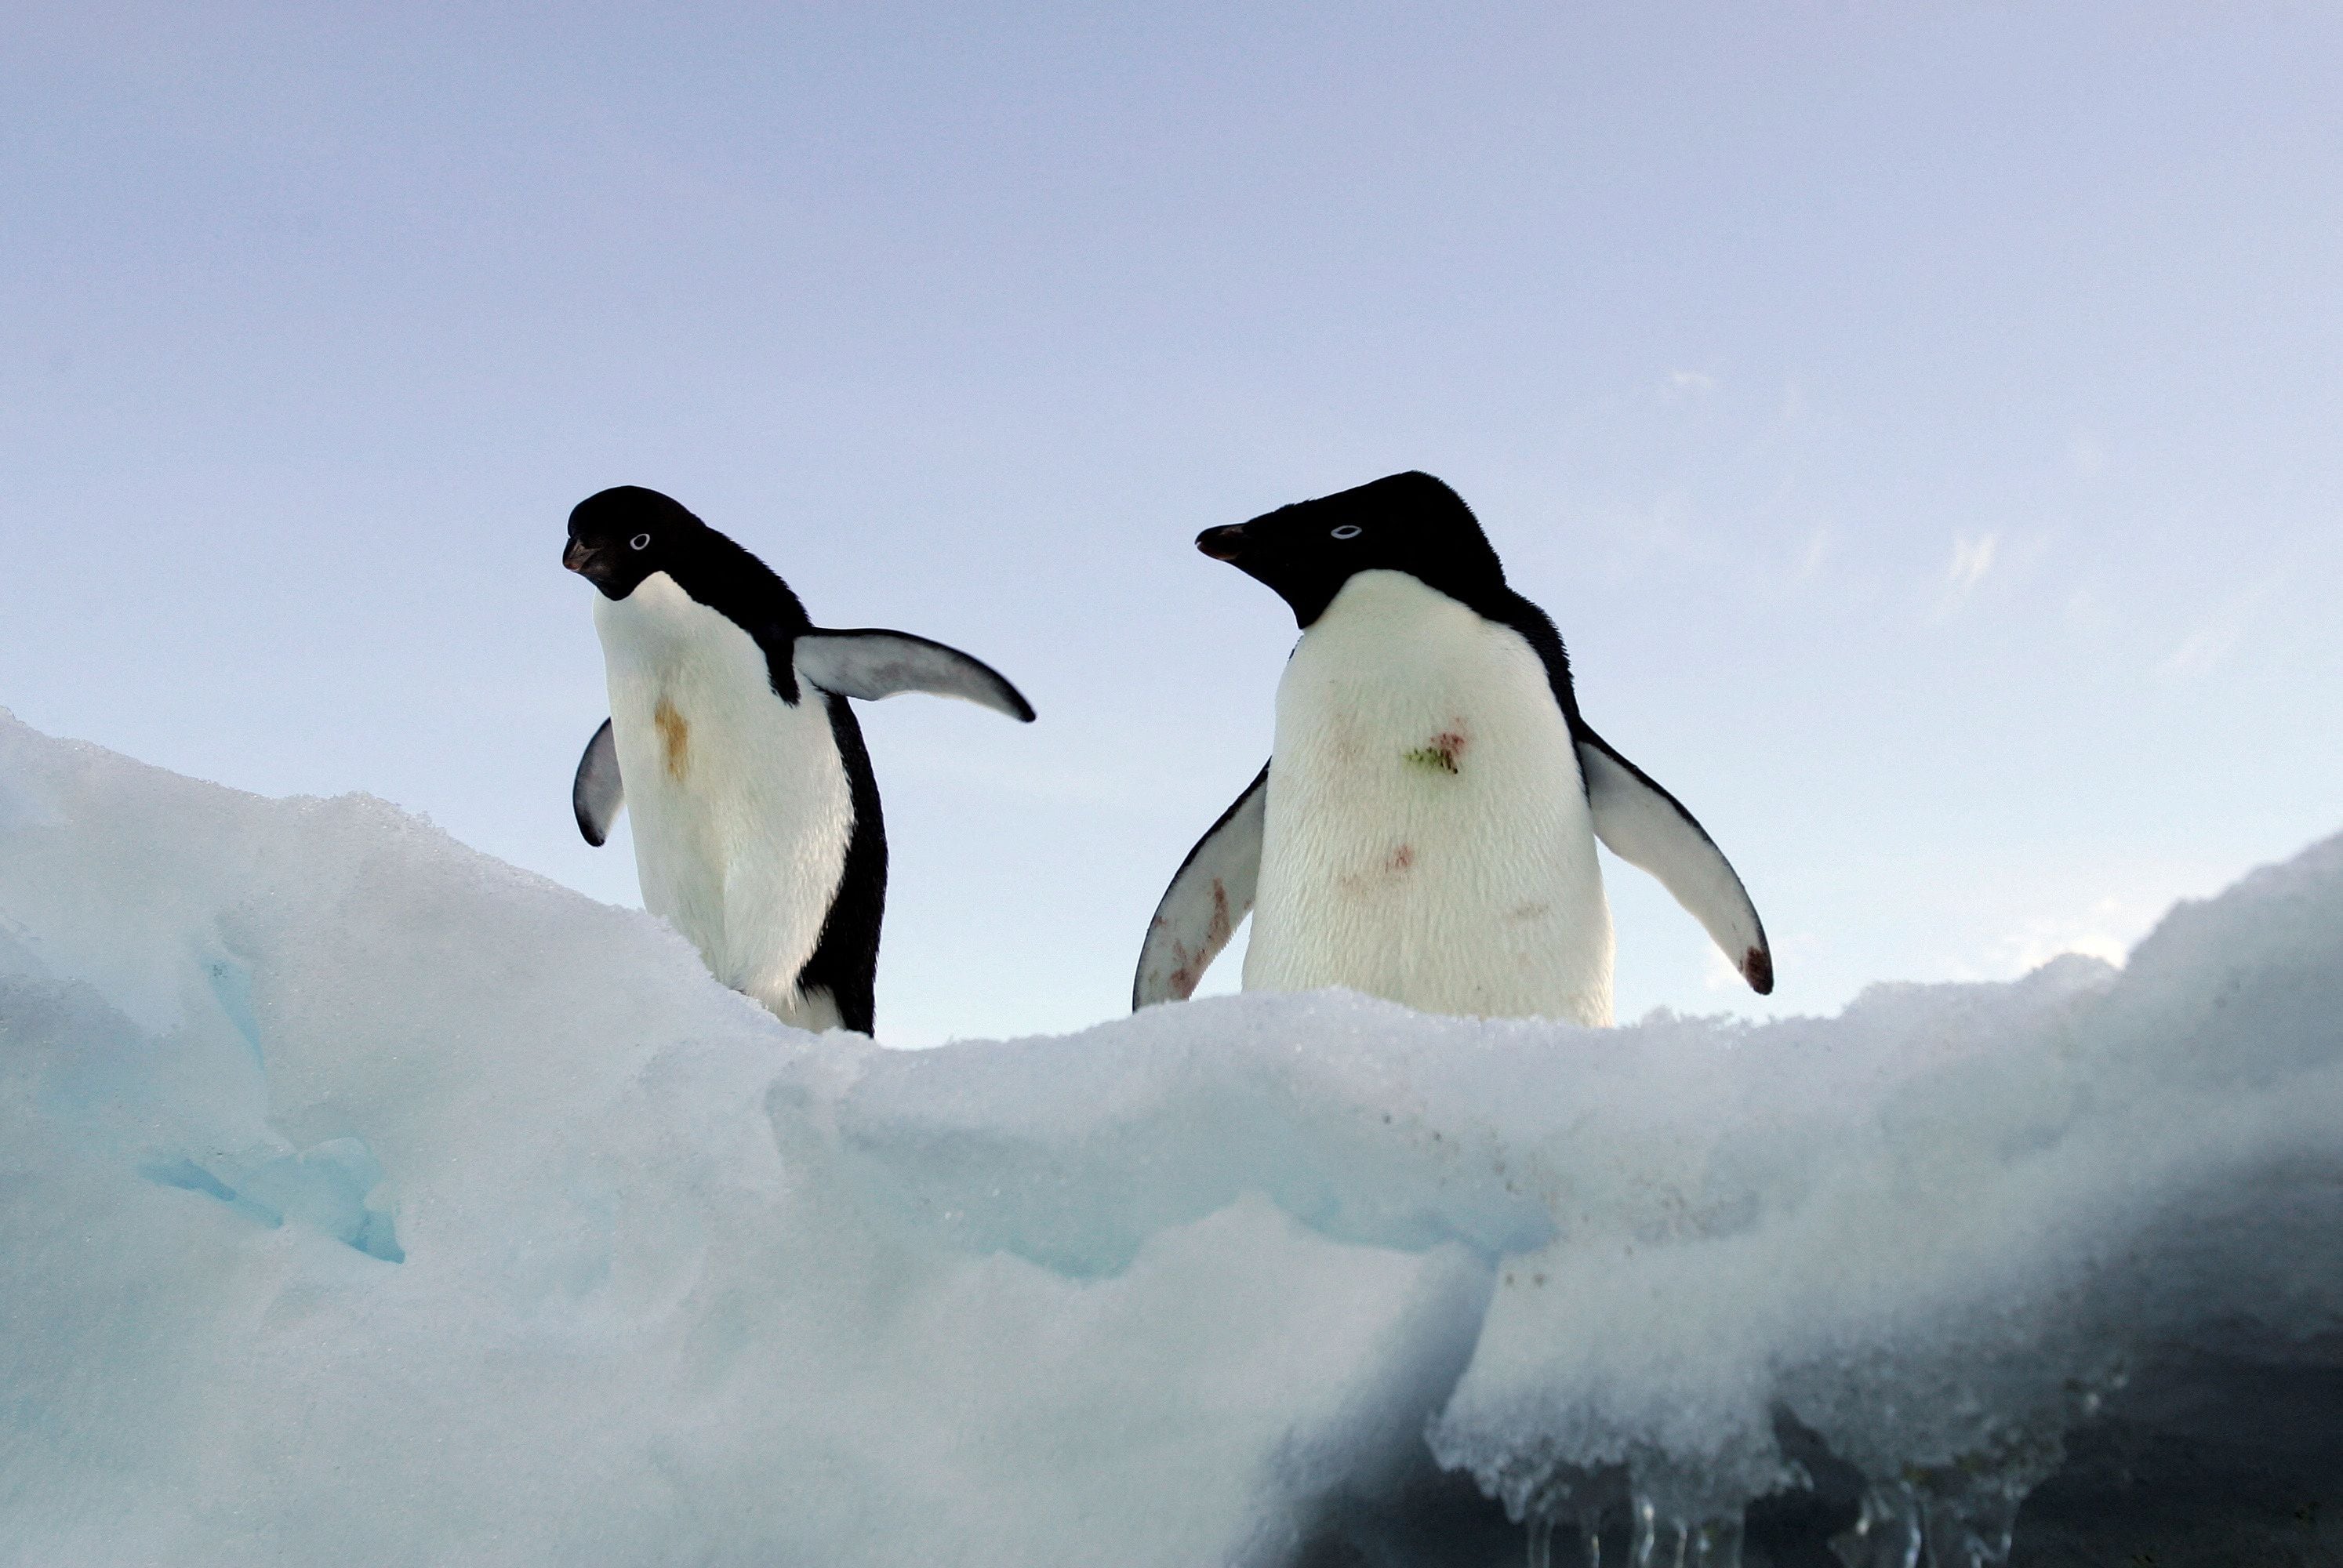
756	826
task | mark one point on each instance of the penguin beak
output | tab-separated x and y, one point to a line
1223	544
577	557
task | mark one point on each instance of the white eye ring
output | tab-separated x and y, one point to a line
639	541
1348	531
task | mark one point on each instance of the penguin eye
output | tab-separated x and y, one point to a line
639	541
1348	531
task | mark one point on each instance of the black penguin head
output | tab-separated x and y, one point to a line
1408	523
620	537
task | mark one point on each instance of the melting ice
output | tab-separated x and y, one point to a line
363	1199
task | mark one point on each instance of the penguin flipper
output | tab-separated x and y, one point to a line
871	664
1212	891
597	793
1646	827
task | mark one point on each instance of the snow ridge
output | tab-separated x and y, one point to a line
368	1200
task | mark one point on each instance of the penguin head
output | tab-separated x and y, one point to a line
620	537
1408	523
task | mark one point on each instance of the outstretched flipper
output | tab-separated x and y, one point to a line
1212	891
1646	827
597	793
871	664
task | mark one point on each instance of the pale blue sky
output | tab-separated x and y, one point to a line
1926	423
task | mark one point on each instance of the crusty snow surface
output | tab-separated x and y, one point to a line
366	1200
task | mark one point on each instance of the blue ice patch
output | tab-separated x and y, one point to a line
324	1187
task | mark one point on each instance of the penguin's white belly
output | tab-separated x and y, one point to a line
741	807
1426	836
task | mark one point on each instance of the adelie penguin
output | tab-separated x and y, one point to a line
756	826
1424	830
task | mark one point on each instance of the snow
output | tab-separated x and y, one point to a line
364	1199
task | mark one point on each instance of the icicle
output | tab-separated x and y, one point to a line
1717	1544
1541	1534
1888	1533
1659	1543
1590	1531
1555	1496
1971	1528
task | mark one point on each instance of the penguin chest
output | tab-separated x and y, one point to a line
1426	836
742	809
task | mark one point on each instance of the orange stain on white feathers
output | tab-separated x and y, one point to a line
675	738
